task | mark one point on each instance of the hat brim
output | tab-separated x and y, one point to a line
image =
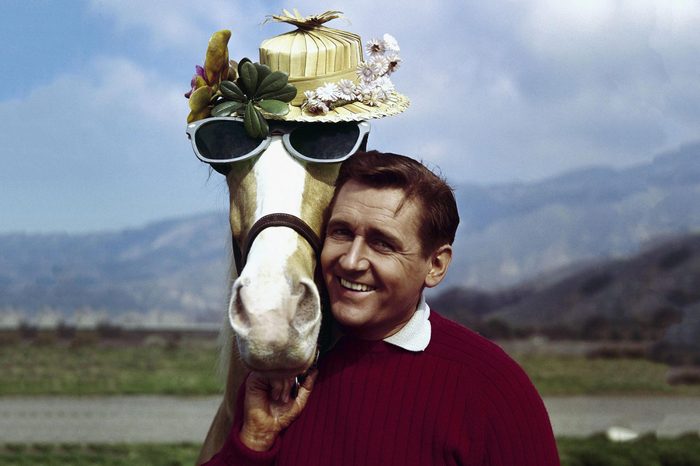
355	111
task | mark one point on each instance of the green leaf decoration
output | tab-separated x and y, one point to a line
226	108
263	72
264	128
273	82
231	91
275	107
248	78
240	64
286	94
254	123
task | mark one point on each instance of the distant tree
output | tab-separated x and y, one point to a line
496	329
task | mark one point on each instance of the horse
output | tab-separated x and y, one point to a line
279	191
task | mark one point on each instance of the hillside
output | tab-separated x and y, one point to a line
533	235
511	233
653	296
174	266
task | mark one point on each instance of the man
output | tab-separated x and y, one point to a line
402	385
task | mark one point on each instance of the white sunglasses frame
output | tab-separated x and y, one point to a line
363	127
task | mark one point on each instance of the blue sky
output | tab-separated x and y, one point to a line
94	118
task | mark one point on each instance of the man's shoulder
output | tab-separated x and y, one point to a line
463	346
450	335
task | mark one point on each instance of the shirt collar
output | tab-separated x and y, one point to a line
415	335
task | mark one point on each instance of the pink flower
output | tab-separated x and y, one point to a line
199	73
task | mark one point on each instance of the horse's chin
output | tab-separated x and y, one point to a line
272	371
282	374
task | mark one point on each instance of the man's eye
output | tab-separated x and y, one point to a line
340	233
383	245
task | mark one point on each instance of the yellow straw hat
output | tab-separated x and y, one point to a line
315	56
319	71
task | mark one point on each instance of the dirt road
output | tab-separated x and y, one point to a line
172	419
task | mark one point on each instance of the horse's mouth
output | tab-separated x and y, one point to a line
286	372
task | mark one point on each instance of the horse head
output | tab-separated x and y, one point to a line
278	203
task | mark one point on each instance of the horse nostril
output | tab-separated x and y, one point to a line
237	313
308	309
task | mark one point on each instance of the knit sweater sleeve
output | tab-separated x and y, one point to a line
517	427
234	452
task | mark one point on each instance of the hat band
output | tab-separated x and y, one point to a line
304	83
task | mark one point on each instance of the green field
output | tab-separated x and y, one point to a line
568	375
594	451
98	455
189	368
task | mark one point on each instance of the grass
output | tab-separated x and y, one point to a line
645	451
189	369
99	454
575	375
593	451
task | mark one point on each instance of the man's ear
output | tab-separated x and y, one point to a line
439	262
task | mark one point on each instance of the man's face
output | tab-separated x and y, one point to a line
372	260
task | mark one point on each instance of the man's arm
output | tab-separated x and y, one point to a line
517	425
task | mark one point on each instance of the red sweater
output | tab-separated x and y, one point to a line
462	401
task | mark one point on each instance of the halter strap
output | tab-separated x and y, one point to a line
280	219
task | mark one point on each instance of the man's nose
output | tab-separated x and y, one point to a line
355	258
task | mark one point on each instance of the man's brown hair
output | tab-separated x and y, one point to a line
434	197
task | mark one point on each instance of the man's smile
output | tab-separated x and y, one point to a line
355	286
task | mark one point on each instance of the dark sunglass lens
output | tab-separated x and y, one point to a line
325	141
224	140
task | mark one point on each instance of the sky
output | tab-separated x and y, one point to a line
93	113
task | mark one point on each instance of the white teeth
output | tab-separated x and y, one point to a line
355	286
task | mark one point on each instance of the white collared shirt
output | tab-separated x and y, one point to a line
415	335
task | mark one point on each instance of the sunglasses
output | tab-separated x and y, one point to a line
223	140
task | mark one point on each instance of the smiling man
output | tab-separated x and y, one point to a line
402	385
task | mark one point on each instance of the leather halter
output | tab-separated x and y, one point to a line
281	219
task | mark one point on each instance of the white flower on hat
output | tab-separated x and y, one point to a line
375	47
363	90
379	65
384	87
346	89
365	72
328	92
394	62
390	44
372	98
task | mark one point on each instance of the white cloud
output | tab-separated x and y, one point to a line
102	146
177	23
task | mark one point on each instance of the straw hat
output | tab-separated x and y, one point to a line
333	82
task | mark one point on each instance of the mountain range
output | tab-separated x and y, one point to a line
515	232
512	237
